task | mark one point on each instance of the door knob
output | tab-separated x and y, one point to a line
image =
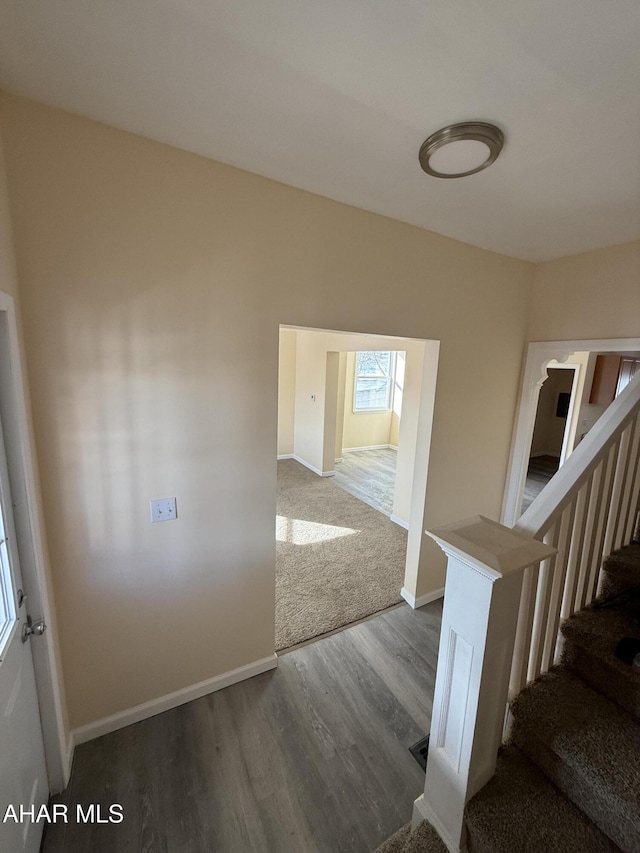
36	628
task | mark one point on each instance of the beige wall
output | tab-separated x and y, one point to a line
311	377
286	391
417	369
153	283
8	274
592	295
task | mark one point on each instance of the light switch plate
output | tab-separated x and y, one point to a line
163	509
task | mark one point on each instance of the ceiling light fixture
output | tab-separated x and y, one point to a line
461	149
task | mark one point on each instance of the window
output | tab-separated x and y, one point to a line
373	384
7	610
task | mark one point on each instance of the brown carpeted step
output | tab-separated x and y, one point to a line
620	571
588	747
590	639
424	840
520	811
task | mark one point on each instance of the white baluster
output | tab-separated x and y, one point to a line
575	554
619	476
626	511
559	577
590	506
522	644
635	490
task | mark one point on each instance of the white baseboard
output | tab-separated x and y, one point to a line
399	521
285	456
421	600
313	468
171	700
393	447
369	447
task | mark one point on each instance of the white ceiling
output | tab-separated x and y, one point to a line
336	97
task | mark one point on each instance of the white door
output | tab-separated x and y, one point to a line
23	776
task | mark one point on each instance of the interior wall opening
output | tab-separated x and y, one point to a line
567	386
350	410
550	443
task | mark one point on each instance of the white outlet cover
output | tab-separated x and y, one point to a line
163	509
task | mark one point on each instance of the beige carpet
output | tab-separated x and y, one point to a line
338	559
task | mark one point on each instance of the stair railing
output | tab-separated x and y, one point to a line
507	591
586	511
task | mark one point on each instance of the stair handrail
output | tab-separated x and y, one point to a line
586	511
568	480
507	592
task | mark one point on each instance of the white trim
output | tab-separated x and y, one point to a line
171	700
399	521
375	410
539	353
313	468
285	456
422	811
68	757
421	600
31	547
369	447
393	447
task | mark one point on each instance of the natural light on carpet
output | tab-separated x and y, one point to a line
299	532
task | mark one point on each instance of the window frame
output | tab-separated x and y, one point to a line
8	615
390	379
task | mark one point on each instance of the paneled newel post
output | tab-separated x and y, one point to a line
486	562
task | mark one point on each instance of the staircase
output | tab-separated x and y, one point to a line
522	620
568	779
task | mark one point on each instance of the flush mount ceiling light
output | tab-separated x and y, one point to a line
461	149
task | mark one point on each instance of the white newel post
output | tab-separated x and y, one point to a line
485	566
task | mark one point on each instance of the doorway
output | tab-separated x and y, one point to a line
31	723
586	405
369	413
23	773
551	441
344	515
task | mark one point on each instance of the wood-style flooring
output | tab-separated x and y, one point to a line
541	470
369	475
309	758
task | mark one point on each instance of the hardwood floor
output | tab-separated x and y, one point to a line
369	475
541	470
309	758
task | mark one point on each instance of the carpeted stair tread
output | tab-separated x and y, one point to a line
424	840
590	640
620	571
520	811
588	747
